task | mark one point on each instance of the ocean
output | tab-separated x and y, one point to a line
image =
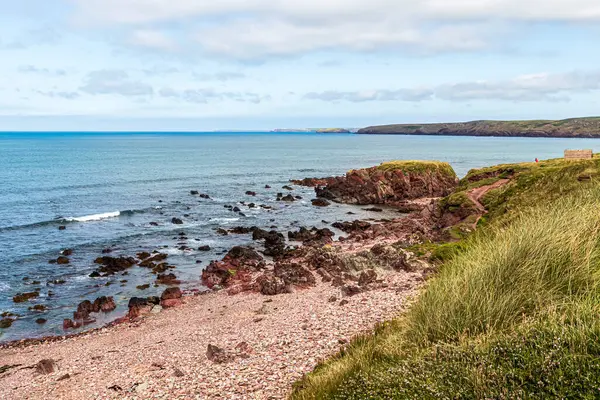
121	190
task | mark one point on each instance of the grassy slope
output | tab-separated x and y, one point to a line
513	314
411	166
573	127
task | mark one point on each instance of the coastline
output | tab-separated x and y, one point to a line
285	337
263	327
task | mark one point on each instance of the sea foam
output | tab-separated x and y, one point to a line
94	217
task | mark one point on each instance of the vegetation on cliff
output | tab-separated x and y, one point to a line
512	312
574	127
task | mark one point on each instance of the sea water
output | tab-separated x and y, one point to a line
106	189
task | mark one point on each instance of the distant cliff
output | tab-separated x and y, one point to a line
573	127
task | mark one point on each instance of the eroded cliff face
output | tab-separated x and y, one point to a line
393	183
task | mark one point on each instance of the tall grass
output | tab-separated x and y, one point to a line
514	315
549	255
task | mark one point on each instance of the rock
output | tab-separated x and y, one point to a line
320	203
113	265
250	193
390	183
204	196
289	198
94	274
367	277
351	290
64	377
153	223
287	187
67	252
38	308
62	228
271	285
104	304
178	373
325	276
138	306
332	299
351	227
62	260
70	324
23	297
267	187
222	232
235	267
143	287
313	182
171	303
143	255
194	192
217	355
312	237
46	367
171	293
156	309
40	321
204	248
167	279
176	221
6	323
374	209
344	302
294	274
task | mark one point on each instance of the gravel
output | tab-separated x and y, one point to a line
271	343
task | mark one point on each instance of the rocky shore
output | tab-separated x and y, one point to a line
273	309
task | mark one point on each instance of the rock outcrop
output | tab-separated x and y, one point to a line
391	183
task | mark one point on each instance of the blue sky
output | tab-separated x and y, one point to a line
262	64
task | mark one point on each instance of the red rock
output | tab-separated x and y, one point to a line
170	303
171	293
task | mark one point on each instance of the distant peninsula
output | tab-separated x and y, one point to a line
315	130
566	128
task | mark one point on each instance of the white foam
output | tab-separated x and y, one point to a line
4	286
95	217
224	220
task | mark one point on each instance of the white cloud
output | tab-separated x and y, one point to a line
538	87
152	39
204	96
250	29
114	82
32	69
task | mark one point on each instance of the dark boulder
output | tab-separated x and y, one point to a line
294	274
271	285
320	203
176	221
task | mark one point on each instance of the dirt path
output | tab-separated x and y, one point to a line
476	194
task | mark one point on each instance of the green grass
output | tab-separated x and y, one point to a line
414	166
512	313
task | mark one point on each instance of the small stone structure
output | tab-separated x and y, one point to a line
578	154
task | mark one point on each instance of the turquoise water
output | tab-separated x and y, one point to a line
107	188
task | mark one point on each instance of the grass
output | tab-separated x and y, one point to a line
512	313
413	166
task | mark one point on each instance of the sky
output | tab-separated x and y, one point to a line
196	65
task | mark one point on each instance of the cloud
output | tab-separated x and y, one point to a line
255	29
144	12
220	76
537	87
152	39
44	71
204	96
60	94
372	95
114	82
